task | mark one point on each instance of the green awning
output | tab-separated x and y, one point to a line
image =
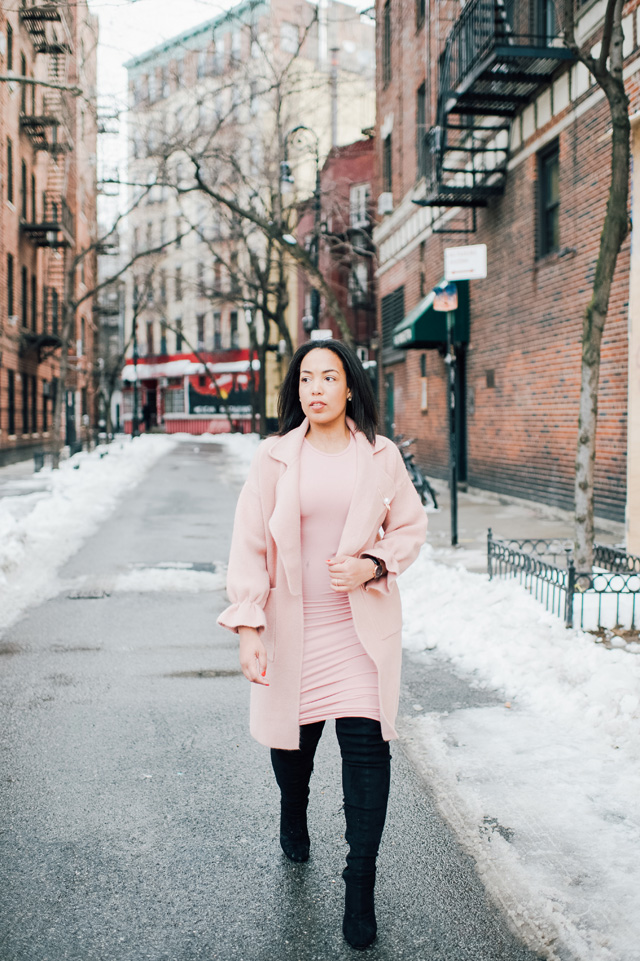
424	327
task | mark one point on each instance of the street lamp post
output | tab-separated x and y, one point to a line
286	177
135	426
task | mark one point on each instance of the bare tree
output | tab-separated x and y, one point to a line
606	69
71	305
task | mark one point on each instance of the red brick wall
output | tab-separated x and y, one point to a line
526	317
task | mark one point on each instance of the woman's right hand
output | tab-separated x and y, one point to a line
253	656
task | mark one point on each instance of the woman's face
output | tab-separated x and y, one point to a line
323	387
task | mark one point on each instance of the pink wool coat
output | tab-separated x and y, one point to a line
264	582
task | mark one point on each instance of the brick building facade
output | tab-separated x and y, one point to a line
47	217
346	254
545	175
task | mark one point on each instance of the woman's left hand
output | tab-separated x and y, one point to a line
347	572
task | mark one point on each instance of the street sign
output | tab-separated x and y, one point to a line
446	297
465	263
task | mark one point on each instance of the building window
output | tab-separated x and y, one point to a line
200	323
33	200
11	399
163	338
10	287
178	283
289	37
549	199
34	405
358	294
45	406
387	170
392	314
9	47
420	12
9	170
24	291
34	303
54	310
150	343
421	130
386	44
547	27
25	404
359	205
217	331
24	194
235	340
165	87
174	401
45	308
178	336
23	86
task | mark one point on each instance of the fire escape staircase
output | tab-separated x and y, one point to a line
494	63
50	225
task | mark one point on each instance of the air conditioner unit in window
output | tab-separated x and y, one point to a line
385	203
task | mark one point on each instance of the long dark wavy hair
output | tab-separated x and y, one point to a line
361	408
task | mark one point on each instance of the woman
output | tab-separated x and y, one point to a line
326	521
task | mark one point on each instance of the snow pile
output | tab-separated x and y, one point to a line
496	630
39	532
541	789
169	579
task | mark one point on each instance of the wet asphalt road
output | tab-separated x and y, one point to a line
139	819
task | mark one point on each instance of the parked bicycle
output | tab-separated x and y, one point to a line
419	480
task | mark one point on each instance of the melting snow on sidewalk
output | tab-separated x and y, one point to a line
40	531
543	788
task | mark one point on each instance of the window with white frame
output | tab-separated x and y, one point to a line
359	205
358	284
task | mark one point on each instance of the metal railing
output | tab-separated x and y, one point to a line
601	598
56	211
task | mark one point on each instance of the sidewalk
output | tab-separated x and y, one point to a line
508	517
19	479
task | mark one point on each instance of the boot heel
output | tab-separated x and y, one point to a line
294	837
359	925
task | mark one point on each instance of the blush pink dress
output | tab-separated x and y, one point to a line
339	679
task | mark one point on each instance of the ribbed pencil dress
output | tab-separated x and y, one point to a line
339	679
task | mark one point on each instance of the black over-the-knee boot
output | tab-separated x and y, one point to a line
365	779
293	773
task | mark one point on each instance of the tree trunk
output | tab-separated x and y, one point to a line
60	405
613	234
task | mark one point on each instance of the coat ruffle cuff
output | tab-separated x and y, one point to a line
242	614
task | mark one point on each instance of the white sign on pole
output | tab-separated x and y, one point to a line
465	263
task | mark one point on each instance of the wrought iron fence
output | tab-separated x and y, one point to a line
606	597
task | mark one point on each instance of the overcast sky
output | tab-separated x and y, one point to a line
129	27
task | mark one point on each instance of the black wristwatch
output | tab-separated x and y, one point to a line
379	571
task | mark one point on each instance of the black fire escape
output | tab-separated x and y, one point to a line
48	128
498	56
47	221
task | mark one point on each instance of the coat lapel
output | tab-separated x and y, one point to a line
372	495
284	523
